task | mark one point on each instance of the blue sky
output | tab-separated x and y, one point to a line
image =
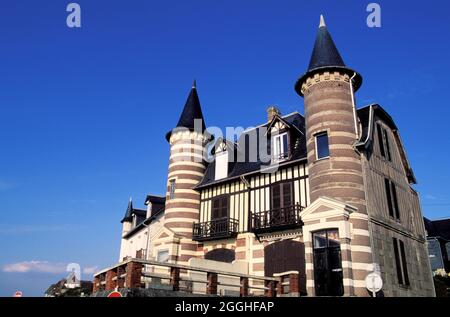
83	112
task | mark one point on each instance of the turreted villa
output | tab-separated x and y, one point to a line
333	202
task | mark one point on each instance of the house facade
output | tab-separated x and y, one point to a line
327	194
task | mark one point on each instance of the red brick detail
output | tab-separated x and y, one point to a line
240	243
110	283
244	287
134	273
96	284
240	255
211	287
294	284
271	290
120	280
175	278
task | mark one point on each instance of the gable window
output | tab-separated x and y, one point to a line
391	197
220	207
400	262
383	142
172	189
322	147
280	146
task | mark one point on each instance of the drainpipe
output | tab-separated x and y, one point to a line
352	94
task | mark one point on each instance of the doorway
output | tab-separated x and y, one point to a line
328	276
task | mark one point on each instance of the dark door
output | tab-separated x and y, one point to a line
282	200
328	278
219	216
284	256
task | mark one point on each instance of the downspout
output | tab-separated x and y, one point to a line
352	94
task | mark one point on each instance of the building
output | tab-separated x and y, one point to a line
328	194
438	237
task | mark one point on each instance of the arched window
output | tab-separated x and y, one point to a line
221	255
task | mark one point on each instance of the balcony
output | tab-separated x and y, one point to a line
277	219
215	229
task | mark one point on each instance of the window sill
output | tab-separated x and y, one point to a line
322	159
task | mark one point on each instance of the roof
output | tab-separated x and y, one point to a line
191	111
296	122
438	228
158	204
326	56
142	225
367	116
236	169
130	211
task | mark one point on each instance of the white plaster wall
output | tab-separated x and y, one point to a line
139	240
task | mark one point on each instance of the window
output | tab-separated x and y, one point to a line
326	238
219	207
171	189
322	148
162	256
400	262
282	195
280	146
391	197
383	142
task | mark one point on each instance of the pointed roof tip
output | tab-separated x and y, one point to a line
194	84
322	22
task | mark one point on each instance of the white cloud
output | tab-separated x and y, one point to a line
90	270
45	267
35	266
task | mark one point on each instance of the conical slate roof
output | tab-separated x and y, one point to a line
129	212
325	56
325	52
191	111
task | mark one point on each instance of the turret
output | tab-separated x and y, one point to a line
127	221
186	169
328	88
334	164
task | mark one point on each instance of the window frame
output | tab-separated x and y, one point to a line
383	140
316	136
400	262
281	196
158	255
172	188
281	156
220	198
392	199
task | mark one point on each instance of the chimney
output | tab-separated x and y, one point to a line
272	111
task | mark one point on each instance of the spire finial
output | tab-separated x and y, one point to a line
322	21
194	84
131	199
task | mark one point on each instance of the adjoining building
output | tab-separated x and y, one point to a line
438	238
334	201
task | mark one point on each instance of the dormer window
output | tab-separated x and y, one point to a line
221	170
280	147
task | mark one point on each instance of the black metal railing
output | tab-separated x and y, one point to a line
280	157
215	229
277	219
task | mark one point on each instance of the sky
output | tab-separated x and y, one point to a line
84	111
